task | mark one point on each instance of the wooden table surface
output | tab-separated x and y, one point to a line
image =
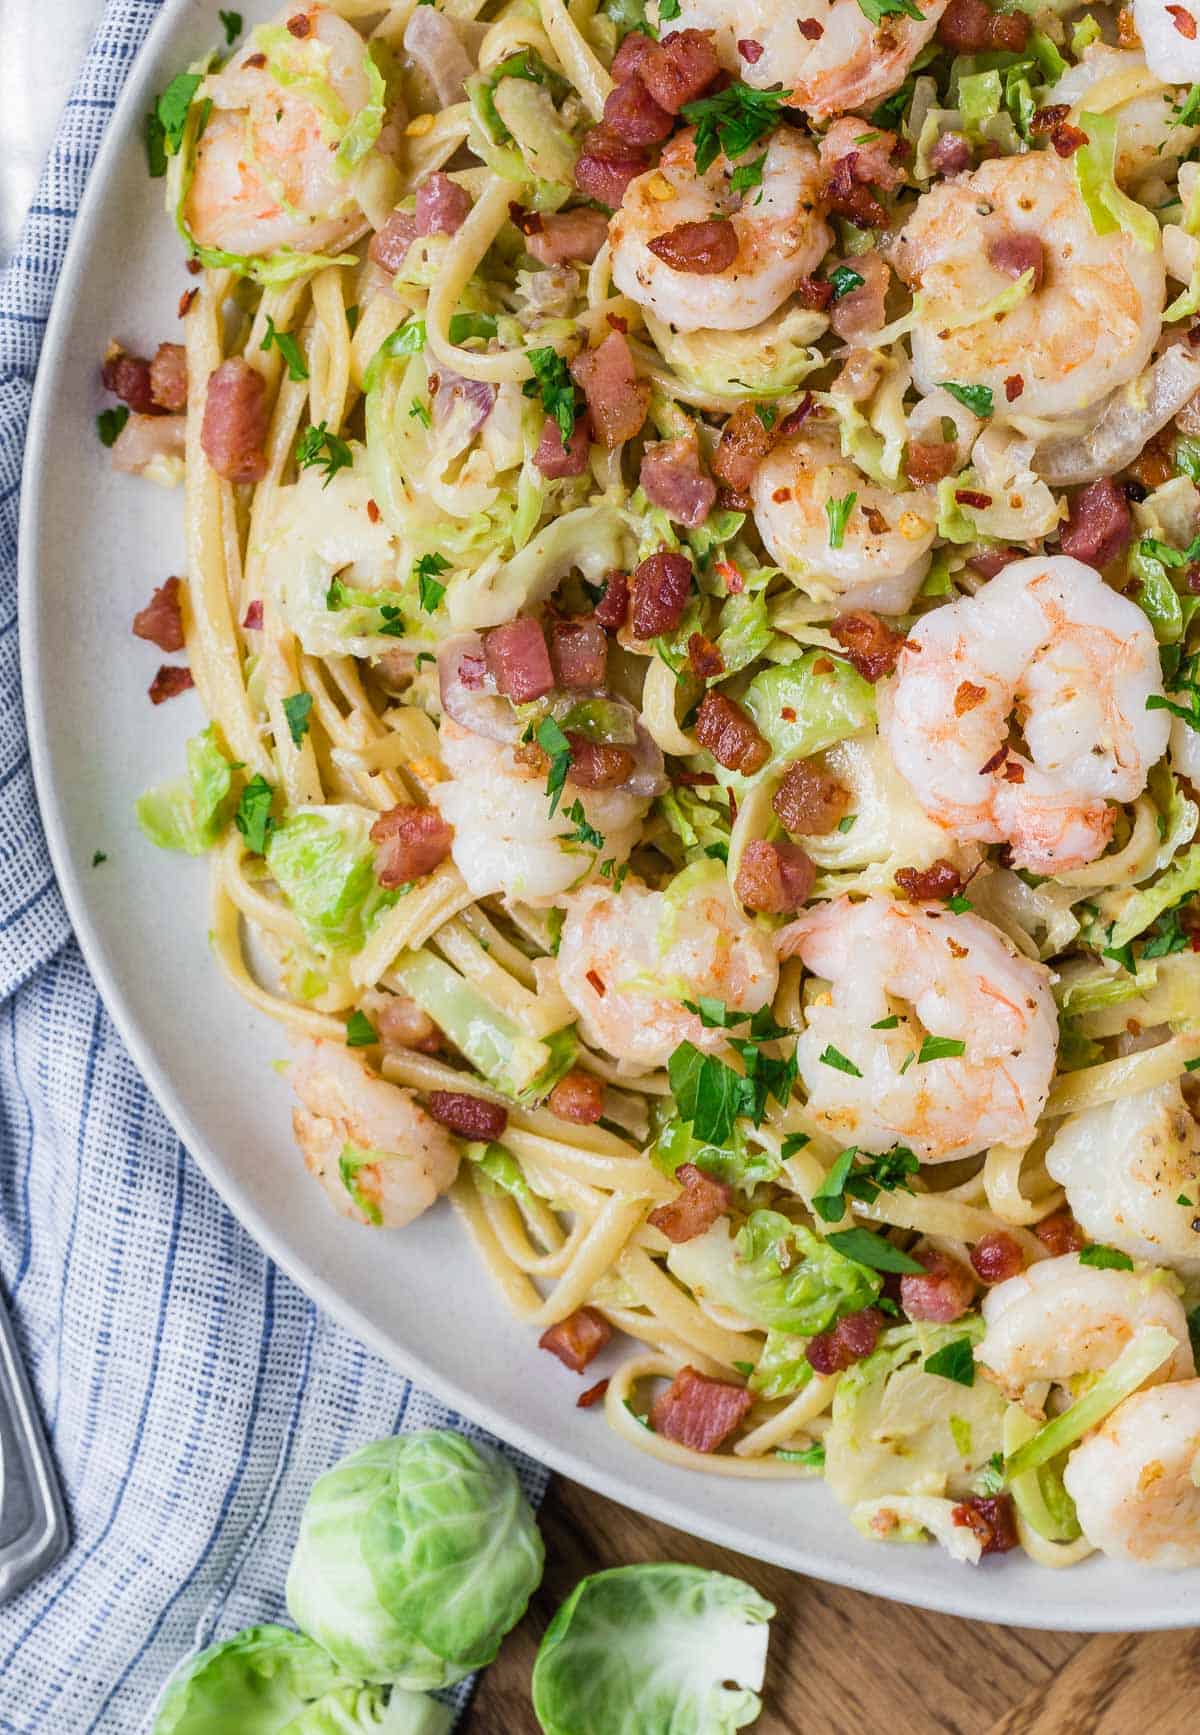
842	1663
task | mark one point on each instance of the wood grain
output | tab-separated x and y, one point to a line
910	1673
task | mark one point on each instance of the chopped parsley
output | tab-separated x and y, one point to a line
793	1144
873	1250
668	10
940	1048
352	319
977	399
317	445
846	822
1105	1258
429	587
1192	1065
360	1032
954	1361
253	816
419	412
711	1095
231	23
837	512
557	749
888	1023
553	383
845	279
110	422
990	1479
610	871
731	121
583	833
834	1057
288	348
767	414
98	857
884	1172
747	175
1166	935
1188	113
959	904
1181	1200
829	1199
166	122
812	1457
877	10
465	325
296	708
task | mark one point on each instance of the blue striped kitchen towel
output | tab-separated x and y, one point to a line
191	1392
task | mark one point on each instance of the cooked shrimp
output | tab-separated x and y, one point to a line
1048	639
504	838
1060	1319
1132	1173
781	236
267	173
371	1145
628	960
1170	51
1092	317
967	1062
841	61
1148	133
878	554
1134	1480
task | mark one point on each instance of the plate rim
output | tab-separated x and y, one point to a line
700	1519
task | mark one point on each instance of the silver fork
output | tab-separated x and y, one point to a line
33	1522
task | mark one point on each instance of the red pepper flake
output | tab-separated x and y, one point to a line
730	577
1014	771
793	420
596	983
732	807
1014	385
593	1395
528	222
1067	139
788	714
193	268
300	25
617	322
253	616
780	495
822	666
995	762
168	683
1183	21
373	512
972	497
810	29
695	779
752	51
255	60
185	302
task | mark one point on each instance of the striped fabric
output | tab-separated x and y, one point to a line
192	1393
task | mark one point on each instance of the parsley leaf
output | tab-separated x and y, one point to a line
253	816
98	856
837	512
360	1032
557	748
172	108
708	1094
419	412
317	445
877	10
110	422
296	708
583	833
959	904
940	1048
431	590
1105	1258
747	175
990	1480
465	325
792	1144
731	121
1188	113
846	822
829	1199
845	279
978	399
288	348
954	1361
872	1250
232	24
552	381
668	10
617	878
1166	935
834	1057
888	1023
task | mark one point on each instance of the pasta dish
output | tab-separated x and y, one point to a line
693	556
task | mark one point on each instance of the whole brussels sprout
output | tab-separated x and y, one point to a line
416	1555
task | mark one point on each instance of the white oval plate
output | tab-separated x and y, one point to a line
93	545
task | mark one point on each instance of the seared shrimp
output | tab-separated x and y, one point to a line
267	171
371	1145
1148	133
841	61
504	838
628	960
1132	1173
1134	1480
874	555
1170	53
780	235
1093	314
968	1060
1076	662
1061	1319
